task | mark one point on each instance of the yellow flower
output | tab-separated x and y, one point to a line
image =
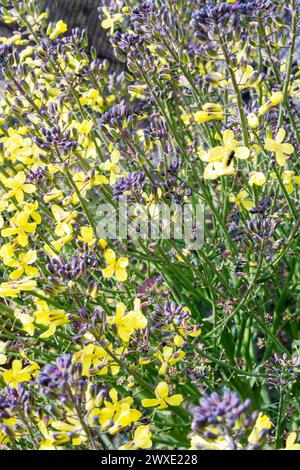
186	117
279	147
130	381
83	184
68	430
162	399
289	179
96	361
19	187
111	166
64	220
252	120
241	200
20	224
273	101
13	288
57	245
17	375
210	112
54	194
23	265
123	322
168	358
93	397
48	442
221	158
92	98
26	320
17	148
19	227
109	22
87	236
247	77
84	127
116	267
262	424
230	150
138	318
59	29
7	252
218	443
9	429
141	439
257	178
291	442
116	414
185	252
126	323
215	170
48	317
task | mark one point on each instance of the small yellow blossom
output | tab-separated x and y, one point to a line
209	112
52	195
168	358
23	265
19	187
13	288
68	430
289	179
116	414
272	102
247	77
96	361
257	177
141	439
64	220
291	442
7	252
59	28
241	200
17	148
26	320
127	323
52	318
215	170
87	236
116	267
253	121
262	424
21	228
218	443
230	149
162	400
110	20
280	148
93	99
186	117
84	127
221	158
17	375
112	167
57	245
